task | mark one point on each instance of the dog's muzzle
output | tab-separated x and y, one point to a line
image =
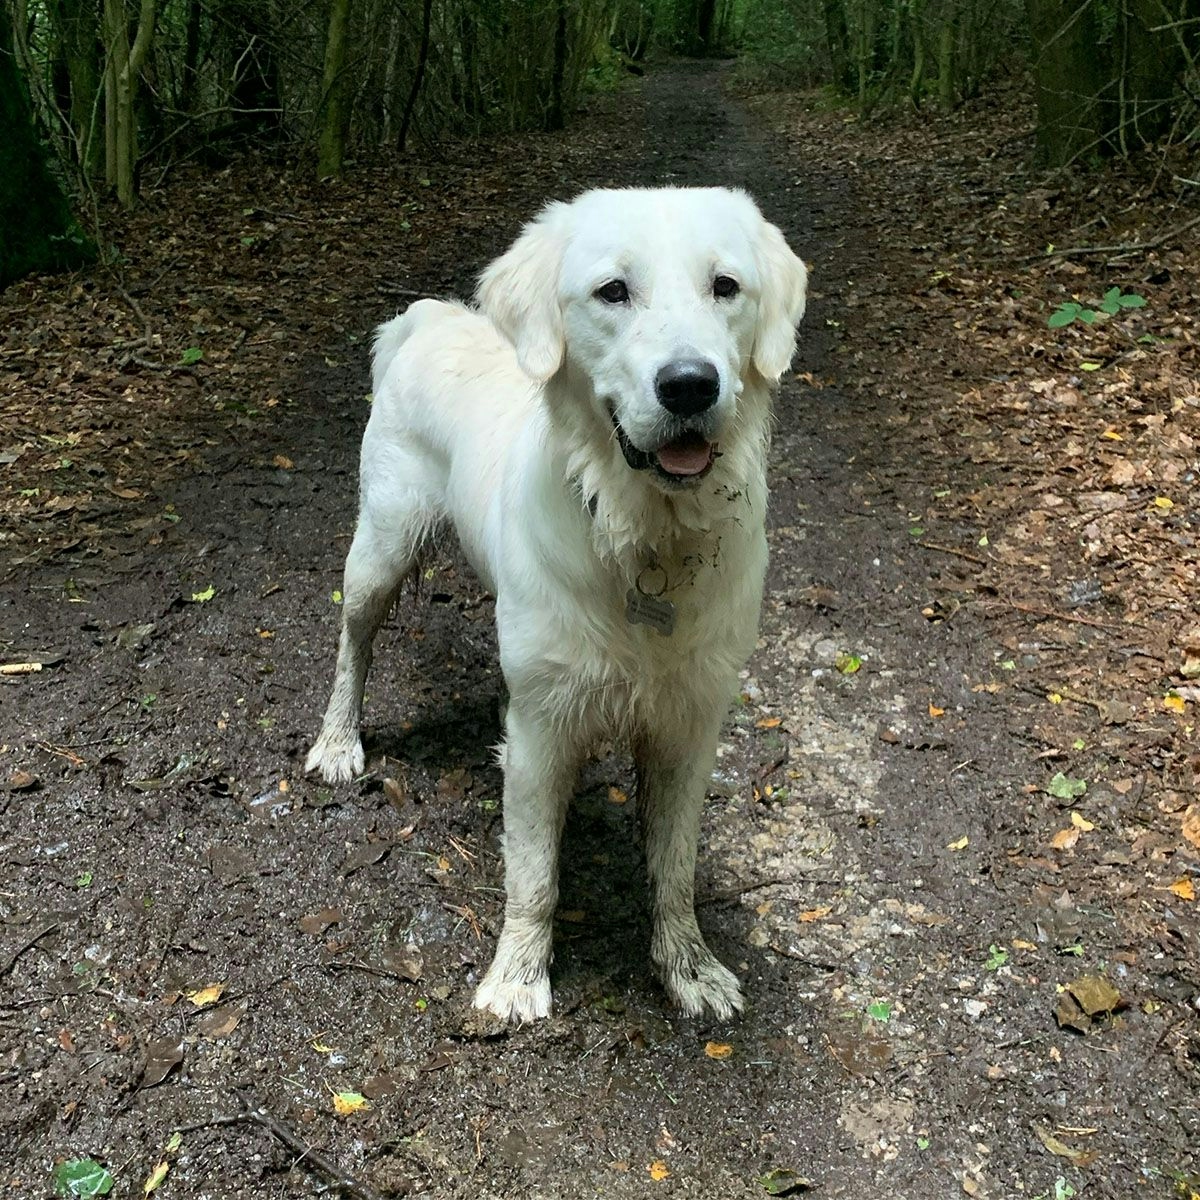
683	459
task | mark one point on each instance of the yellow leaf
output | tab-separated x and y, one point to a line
208	995
658	1170
1081	822
1112	435
961	844
1184	888
768	722
815	914
156	1177
1054	698
1175	702
934	711
282	460
443	863
266	633
718	1049
345	1103
616	796
1065	839
1021	944
320	1047
1164	502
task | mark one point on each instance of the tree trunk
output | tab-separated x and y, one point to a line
331	142
837	38
37	231
78	25
556	113
419	73
120	92
1068	76
947	92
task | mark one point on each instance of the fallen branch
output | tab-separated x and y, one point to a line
1122	248
983	562
1061	616
20	668
29	945
252	1114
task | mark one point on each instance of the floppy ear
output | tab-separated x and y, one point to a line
519	292
785	279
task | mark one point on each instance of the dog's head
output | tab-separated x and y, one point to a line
666	301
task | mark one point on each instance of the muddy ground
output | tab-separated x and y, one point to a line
908	891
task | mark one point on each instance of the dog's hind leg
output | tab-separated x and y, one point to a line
539	771
673	774
384	552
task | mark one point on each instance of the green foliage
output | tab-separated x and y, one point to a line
1114	302
82	1177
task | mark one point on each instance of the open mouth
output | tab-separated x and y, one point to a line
687	457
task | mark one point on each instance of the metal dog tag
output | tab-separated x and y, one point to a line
641	609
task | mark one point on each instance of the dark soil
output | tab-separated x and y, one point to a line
884	860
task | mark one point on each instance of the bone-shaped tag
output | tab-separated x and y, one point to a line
650	610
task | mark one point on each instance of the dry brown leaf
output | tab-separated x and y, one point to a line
1191	824
815	914
718	1050
1184	888
768	722
1065	839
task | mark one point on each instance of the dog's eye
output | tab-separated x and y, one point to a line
613	292
724	287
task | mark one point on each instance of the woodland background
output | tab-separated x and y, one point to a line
101	97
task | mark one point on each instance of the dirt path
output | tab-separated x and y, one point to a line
874	858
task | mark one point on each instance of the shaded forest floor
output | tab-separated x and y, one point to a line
954	838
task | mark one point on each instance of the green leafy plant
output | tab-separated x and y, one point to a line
82	1177
1114	301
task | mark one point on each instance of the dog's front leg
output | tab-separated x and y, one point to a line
673	774
539	770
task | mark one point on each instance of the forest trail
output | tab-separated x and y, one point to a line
877	855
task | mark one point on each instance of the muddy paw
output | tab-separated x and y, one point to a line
513	1000
339	761
702	984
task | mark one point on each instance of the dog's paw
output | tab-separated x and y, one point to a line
698	983
338	759
514	1000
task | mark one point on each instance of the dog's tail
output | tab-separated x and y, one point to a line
391	335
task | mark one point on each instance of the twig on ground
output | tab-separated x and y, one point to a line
29	945
1033	610
254	1114
983	562
1120	248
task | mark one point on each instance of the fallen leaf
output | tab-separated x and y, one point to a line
345	1103
1174	702
316	923
783	1181
163	1055
936	712
220	1022
1081	822
1021	944
961	844
718	1050
1080	1158
847	664
1063	787
1184	888
768	722
156	1177
616	796
282	460
1191	824
1084	1001
658	1170
815	914
205	996
1065	839
1164	502
204	596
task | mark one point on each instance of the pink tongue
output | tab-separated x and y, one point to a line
685	456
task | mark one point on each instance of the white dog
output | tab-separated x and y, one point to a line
597	435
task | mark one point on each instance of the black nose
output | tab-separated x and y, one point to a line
687	386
